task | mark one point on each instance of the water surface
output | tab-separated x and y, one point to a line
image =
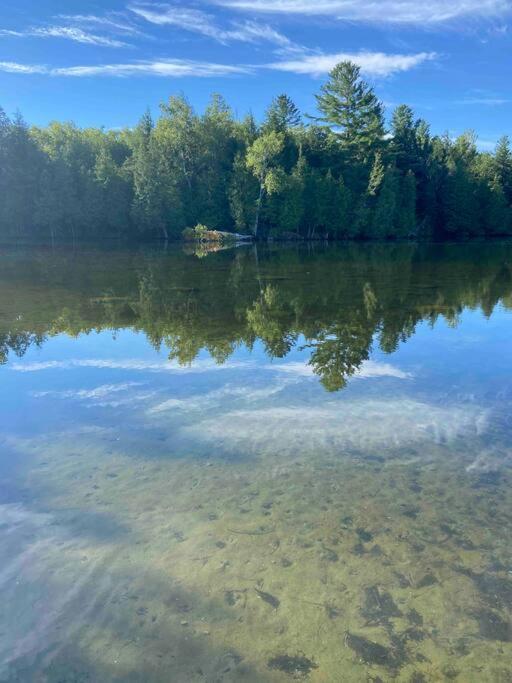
256	465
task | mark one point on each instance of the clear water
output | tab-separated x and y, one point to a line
256	465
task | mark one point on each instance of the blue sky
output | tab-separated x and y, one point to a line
103	63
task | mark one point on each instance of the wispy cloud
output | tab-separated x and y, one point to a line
372	63
15	68
107	23
98	392
68	32
164	68
337	425
134	364
370	369
385	11
196	21
485	101
220	397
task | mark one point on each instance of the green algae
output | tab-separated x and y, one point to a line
372	613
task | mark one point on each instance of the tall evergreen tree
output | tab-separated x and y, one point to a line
406	220
242	189
282	115
503	165
349	105
384	214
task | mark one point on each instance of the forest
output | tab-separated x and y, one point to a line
338	303
347	173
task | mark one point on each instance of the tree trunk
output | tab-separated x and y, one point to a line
184	167
258	209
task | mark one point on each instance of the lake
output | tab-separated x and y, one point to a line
262	464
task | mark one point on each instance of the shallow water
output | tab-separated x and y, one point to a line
256	465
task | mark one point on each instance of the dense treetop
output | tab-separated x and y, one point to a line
342	174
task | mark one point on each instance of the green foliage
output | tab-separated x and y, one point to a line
282	115
406	220
503	166
350	105
385	211
339	178
261	159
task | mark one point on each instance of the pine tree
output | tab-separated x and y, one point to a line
292	205
332	205
242	188
497	215
406	221
376	176
22	164
148	200
115	192
461	215
217	150
384	214
282	115
349	105
503	165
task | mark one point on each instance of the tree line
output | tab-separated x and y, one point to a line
353	298
342	174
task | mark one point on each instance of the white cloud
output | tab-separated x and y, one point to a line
14	68
289	374
196	21
108	23
167	68
128	364
371	63
216	399
369	370
385	11
70	33
338	425
252	31
86	394
171	68
295	368
485	101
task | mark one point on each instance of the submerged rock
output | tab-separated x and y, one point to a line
297	666
418	677
426	581
493	627
495	590
268	598
364	535
329	554
415	617
379	606
372	653
231	598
